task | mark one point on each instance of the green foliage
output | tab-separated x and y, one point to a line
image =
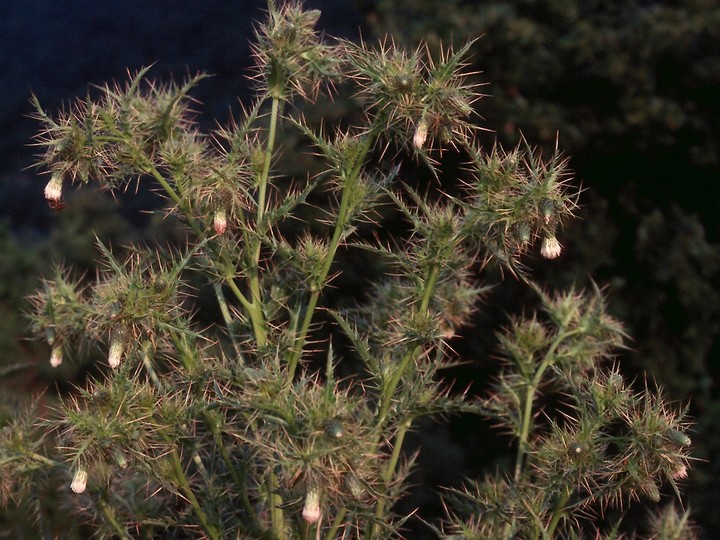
237	425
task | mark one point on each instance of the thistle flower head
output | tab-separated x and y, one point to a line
53	189
79	481
550	248
289	53
311	509
402	87
117	349
56	356
220	221
421	133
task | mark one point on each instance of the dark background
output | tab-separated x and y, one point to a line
56	48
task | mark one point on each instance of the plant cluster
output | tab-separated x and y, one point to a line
241	426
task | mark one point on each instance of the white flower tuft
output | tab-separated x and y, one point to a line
311	510
79	481
550	248
56	356
53	189
421	132
220	222
117	348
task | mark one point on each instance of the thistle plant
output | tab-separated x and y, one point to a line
242	427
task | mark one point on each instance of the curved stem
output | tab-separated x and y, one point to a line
252	309
389	390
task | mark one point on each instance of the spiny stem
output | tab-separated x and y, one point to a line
350	178
211	422
387	475
277	516
530	399
255	305
147	363
269	149
110	517
410	356
557	515
339	518
227	317
252	308
188	493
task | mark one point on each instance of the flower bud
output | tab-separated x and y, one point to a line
550	248
79	481
117	347
311	510
651	490
678	437
120	458
334	429
524	233
421	132
53	189
548	209
679	472
353	485
56	356
220	222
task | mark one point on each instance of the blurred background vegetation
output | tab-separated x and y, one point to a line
630	90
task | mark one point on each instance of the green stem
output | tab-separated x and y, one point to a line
547	361
252	308
147	363
410	356
188	493
255	305
239	480
227	316
110	517
389	390
558	514
351	178
277	516
339	518
388	474
269	149
524	435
